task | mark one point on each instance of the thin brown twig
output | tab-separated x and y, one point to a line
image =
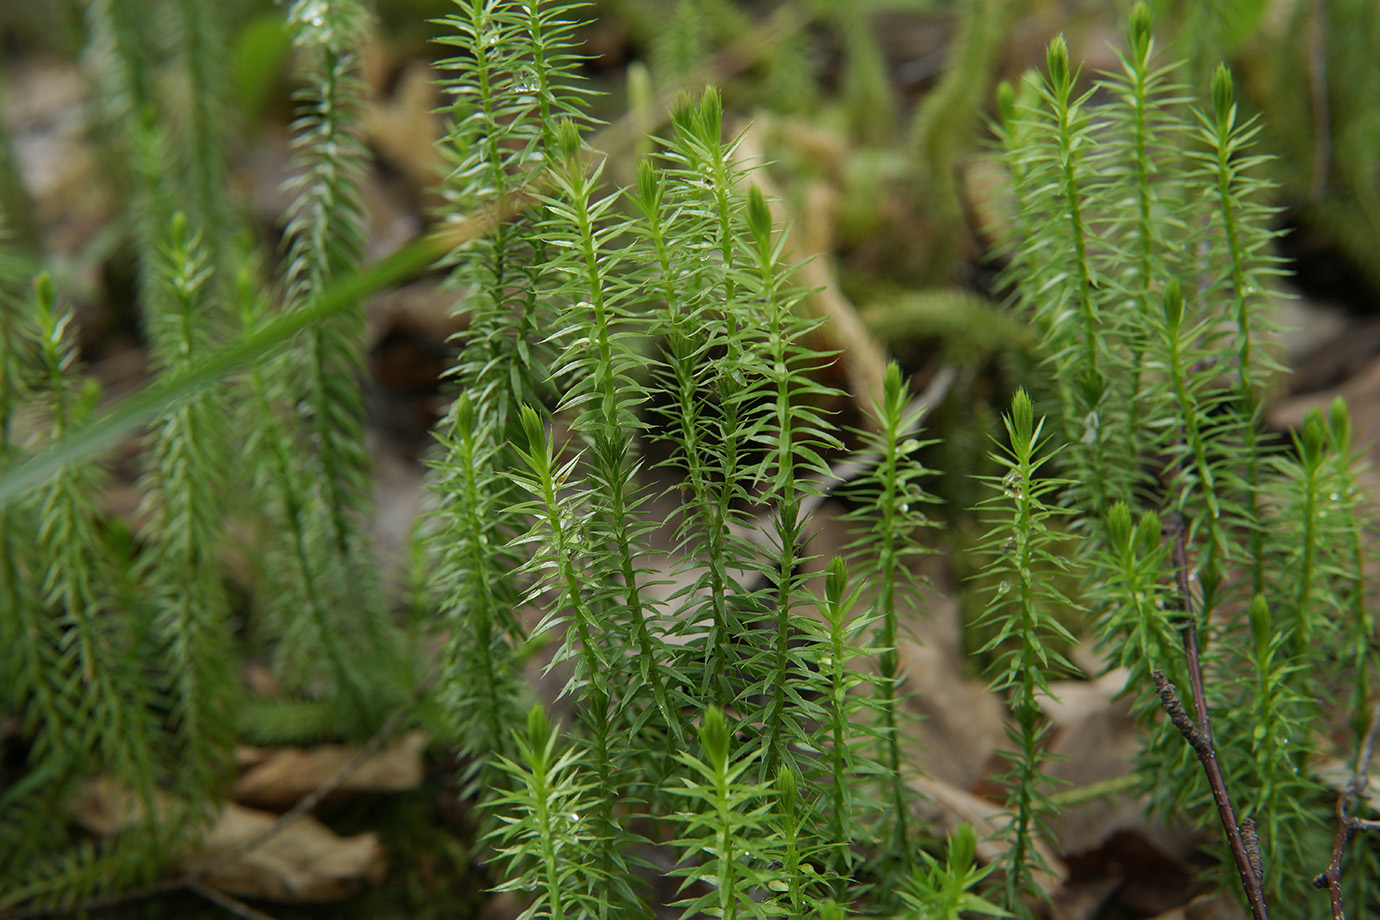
1348	826
233	905
306	804
1245	848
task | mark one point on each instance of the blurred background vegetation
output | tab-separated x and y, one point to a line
872	118
872	113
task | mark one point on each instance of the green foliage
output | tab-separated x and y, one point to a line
725	833
891	511
186	499
949	117
546	841
1022	546
324	603
943	890
742	722
123	649
469	582
1153	301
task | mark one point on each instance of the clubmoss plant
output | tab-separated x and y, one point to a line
944	889
547	841
185	498
734	712
1168	318
726	839
1022	544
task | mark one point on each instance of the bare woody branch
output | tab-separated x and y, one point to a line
1241	836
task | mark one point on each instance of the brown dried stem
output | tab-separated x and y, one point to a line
1241	837
1347	825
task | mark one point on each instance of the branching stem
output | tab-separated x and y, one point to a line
1348	825
1245	848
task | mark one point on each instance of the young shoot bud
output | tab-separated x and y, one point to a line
759	223
786	788
1223	98
1057	65
1339	417
711	120
962	849
836	582
568	140
1006	105
1119	526
1138	34
684	112
714	737
178	231
1149	532
538	728
1021	422
1173	305
1312	441
43	293
650	187
641	93
893	391
464	415
534	432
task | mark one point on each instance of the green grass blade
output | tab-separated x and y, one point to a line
131	413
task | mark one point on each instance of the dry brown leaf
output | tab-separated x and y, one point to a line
1071	702
404	128
988	820
1338	774
287	775
960	722
305	862
1215	907
1094	739
1207	907
103	806
1082	901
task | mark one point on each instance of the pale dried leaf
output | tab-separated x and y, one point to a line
988	821
287	775
1207	907
304	863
